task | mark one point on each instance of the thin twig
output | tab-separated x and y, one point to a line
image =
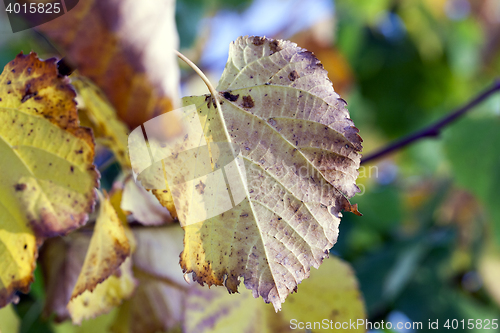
433	130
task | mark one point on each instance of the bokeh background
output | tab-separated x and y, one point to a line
428	244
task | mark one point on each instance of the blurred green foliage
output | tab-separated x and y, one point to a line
417	248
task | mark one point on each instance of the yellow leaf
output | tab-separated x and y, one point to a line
158	303
108	249
115	199
108	129
166	200
100	324
489	268
214	310
62	261
106	295
269	208
338	300
48	179
156	306
9	322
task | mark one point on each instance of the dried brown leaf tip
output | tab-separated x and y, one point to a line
25	80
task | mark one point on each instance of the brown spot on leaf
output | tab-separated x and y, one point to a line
293	75
257	41
230	97
28	93
275	46
248	102
200	187
210	101
20	187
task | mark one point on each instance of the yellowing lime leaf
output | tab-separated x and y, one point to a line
166	200
338	300
100	324
62	260
156	306
9	322
159	300
48	179
489	268
106	295
108	129
90	262
214	310
299	153
115	198
108	249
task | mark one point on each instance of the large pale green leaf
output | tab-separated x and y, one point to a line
297	166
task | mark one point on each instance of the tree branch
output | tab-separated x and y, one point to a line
433	130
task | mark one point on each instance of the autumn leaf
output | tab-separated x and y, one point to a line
106	295
158	304
136	67
9	322
108	249
338	300
293	167
108	129
164	302
87	274
99	324
48	179
489	268
214	310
